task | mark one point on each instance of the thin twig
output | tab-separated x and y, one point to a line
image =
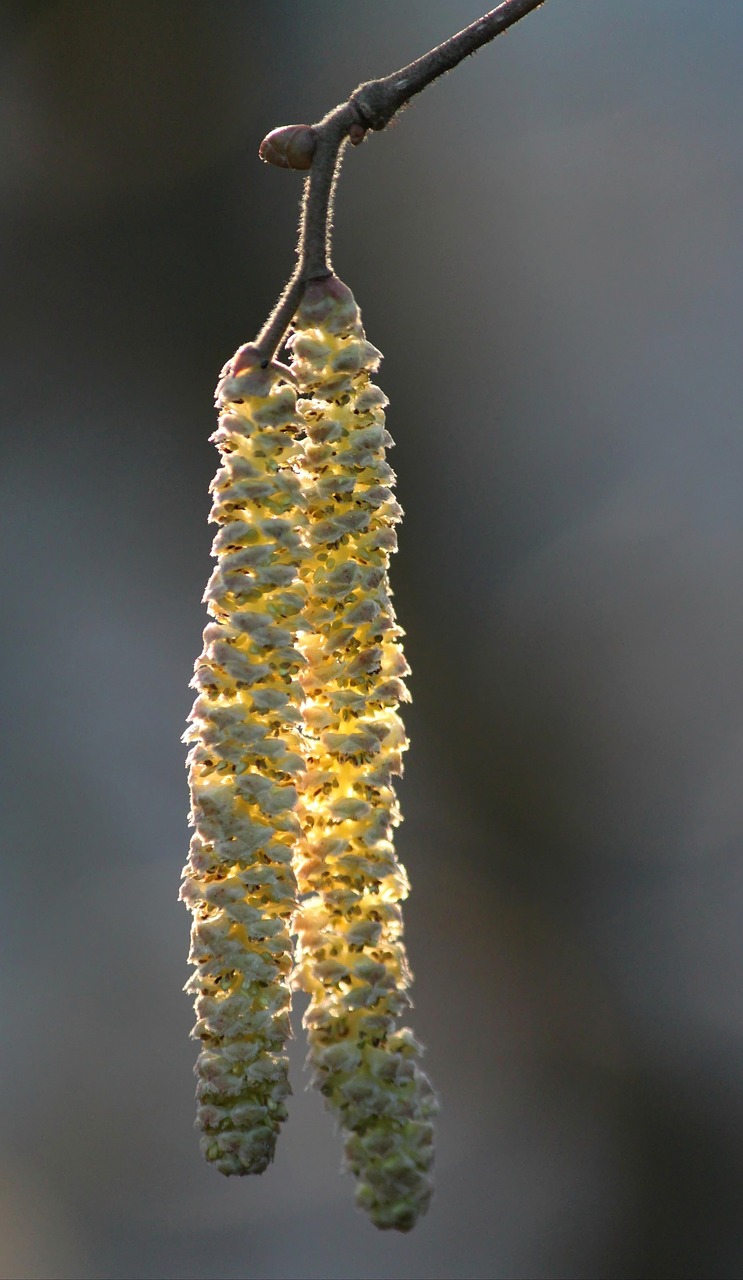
317	206
269	338
371	106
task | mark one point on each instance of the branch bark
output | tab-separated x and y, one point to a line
370	107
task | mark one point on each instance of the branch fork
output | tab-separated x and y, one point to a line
318	151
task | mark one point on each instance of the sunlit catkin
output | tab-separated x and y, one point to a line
243	767
351	959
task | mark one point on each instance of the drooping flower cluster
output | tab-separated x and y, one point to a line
296	741
245	759
351	959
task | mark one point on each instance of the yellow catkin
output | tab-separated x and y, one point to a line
351	959
243	767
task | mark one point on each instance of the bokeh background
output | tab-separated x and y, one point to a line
547	247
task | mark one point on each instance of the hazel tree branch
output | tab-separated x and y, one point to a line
319	149
379	100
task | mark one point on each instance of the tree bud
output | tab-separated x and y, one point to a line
290	147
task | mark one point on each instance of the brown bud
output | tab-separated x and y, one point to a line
290	147
356	134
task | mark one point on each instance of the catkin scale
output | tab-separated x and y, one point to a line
244	764
350	956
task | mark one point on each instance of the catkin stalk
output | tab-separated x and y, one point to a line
351	959
243	767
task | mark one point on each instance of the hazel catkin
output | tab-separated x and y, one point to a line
244	764
350	956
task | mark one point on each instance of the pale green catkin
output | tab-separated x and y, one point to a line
243	765
351	959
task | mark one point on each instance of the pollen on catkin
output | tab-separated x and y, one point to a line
351	959
244	764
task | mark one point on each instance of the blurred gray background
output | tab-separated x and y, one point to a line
547	248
